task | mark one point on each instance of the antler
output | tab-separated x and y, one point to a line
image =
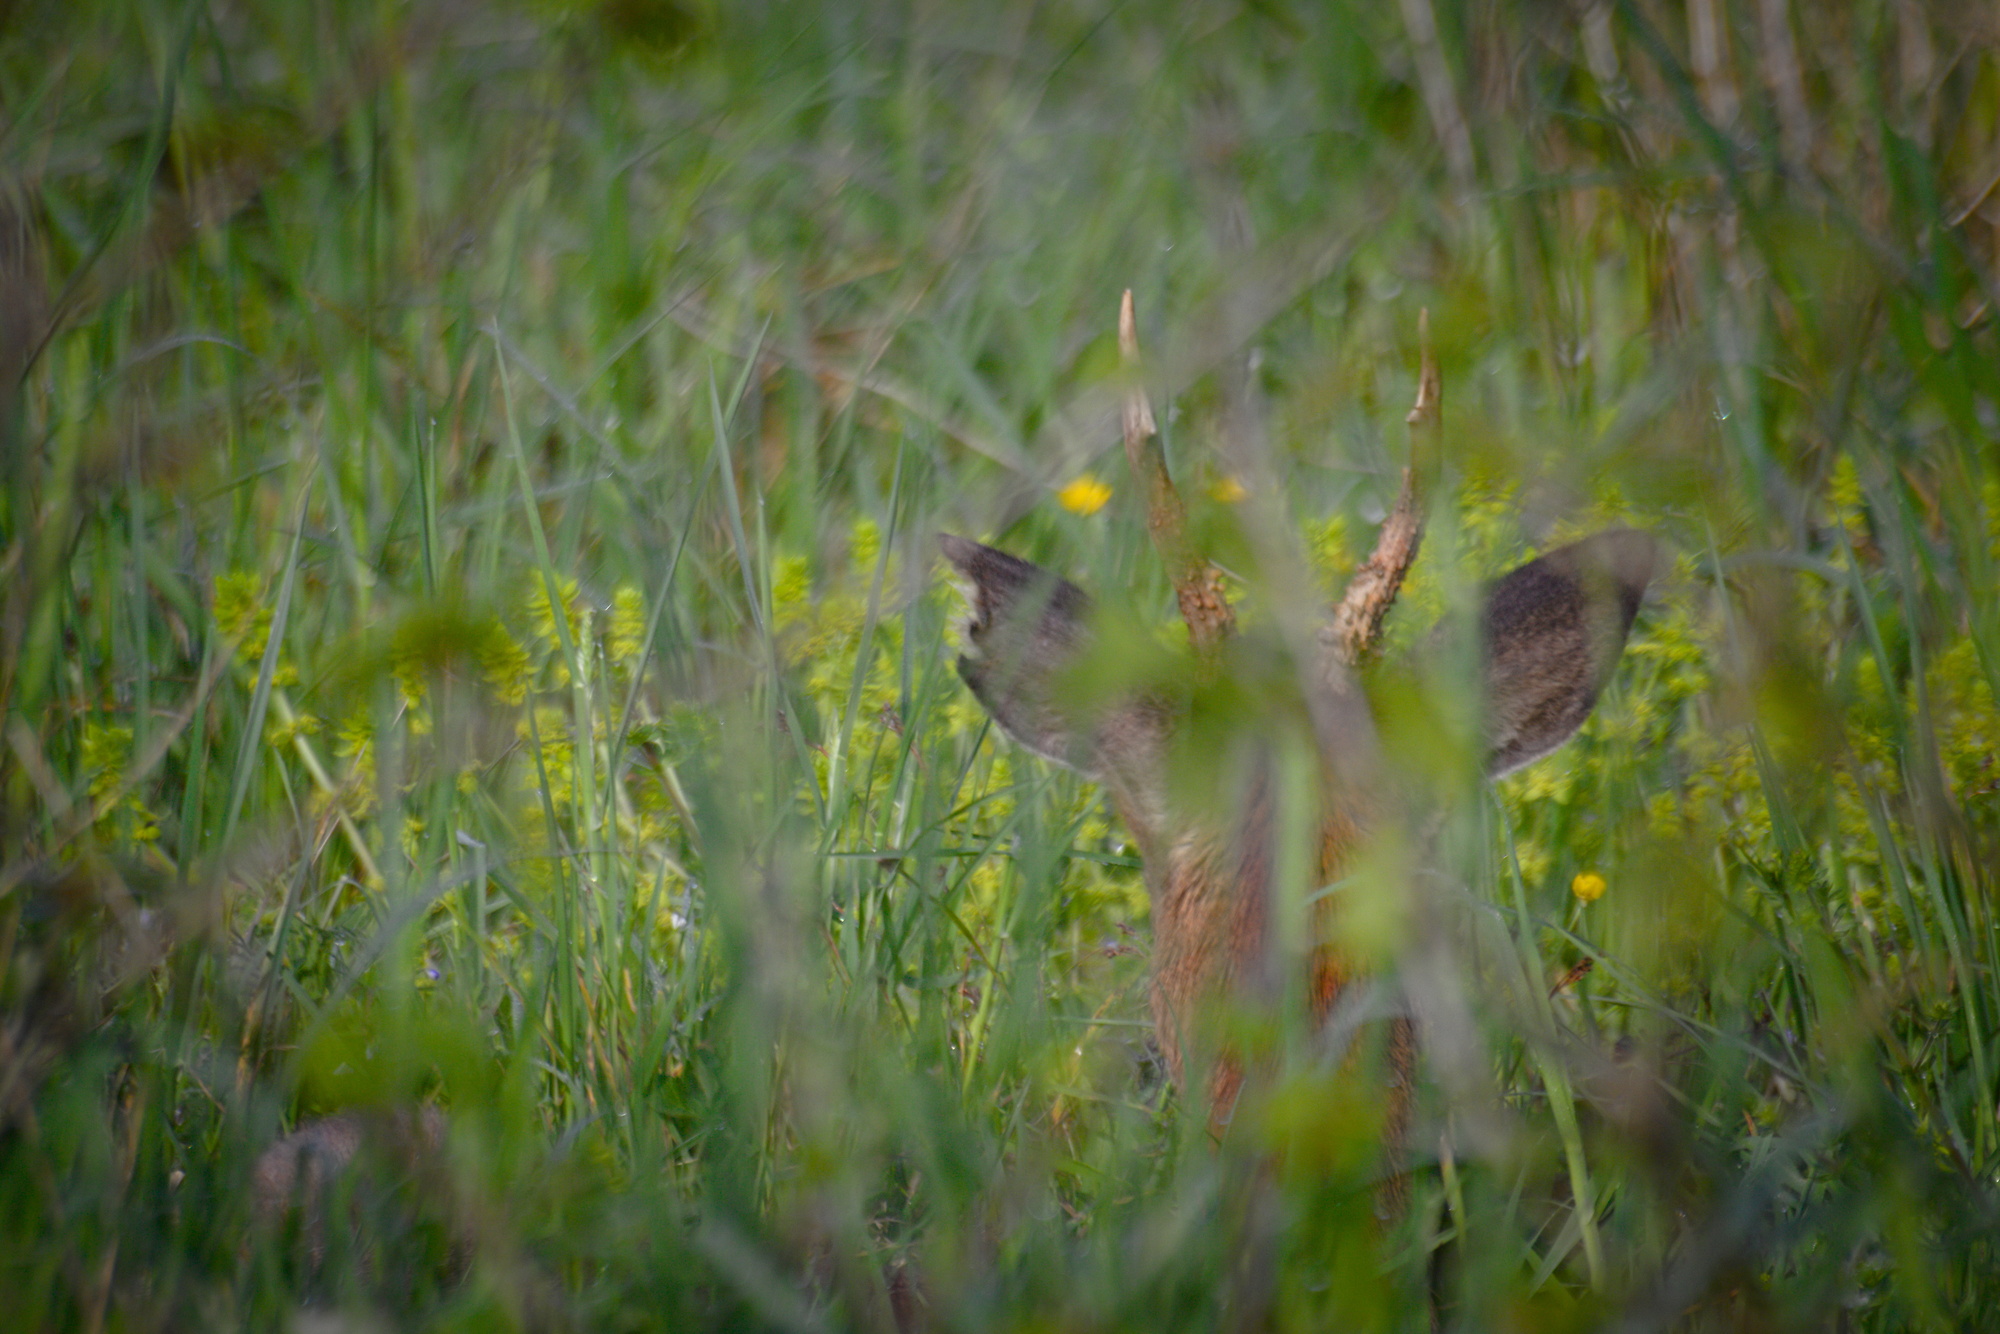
1356	631
1197	584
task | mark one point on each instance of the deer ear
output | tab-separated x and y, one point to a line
1026	627
1553	631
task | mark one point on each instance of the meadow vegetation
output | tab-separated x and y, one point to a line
473	636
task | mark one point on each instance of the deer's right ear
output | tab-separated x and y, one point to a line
1026	627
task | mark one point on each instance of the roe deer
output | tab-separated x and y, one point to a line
1552	632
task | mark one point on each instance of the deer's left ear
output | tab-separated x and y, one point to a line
1027	625
1553	631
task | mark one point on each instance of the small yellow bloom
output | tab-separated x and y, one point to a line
1228	489
1086	495
1588	887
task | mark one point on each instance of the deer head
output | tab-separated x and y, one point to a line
1551	633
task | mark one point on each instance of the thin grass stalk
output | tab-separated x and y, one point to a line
1555	1079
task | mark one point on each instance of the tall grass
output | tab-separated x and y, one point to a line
472	636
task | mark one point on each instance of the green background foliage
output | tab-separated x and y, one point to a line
472	635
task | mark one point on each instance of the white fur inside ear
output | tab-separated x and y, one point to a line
964	628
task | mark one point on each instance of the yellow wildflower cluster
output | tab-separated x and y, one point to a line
505	665
1326	544
106	752
354	740
825	635
243	614
625	636
542	618
550	729
1847	500
407	667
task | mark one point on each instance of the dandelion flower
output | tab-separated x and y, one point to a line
1086	495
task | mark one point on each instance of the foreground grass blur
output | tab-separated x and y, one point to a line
471	636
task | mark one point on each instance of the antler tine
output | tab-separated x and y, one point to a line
1356	631
1197	586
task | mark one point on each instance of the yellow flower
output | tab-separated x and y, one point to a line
865	544
1588	887
791	591
541	609
1086	495
504	663
1228	489
627	634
